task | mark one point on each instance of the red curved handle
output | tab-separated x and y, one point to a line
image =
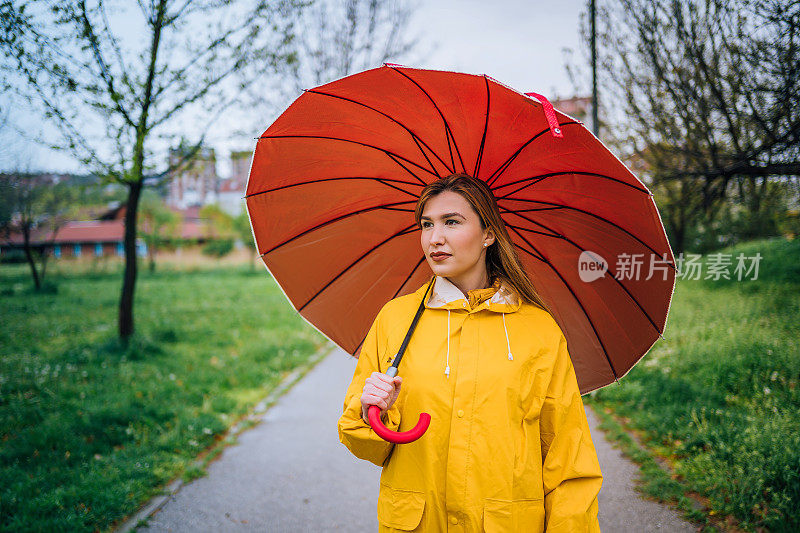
398	437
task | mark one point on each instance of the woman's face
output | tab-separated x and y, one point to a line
452	228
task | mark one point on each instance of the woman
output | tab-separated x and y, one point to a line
508	447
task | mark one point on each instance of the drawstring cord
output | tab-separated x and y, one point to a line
510	357
447	365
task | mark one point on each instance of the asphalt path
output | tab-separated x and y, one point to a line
290	473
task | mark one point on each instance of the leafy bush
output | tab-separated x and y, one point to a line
720	395
218	247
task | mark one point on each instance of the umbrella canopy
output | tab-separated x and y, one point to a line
335	179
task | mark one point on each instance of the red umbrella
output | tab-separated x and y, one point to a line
335	179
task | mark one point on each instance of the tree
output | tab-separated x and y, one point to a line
705	93
341	38
217	221
336	38
242	230
33	204
112	98
158	224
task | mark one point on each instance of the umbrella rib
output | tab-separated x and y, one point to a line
496	174
502	168
542	177
393	297
414	136
390	154
362	342
404	231
416	141
536	253
506	210
532	230
542	259
485	128
421	259
392	157
578	300
614	274
571	208
331	221
381	180
448	132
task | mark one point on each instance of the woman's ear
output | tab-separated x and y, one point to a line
488	237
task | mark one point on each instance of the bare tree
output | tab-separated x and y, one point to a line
35	205
338	38
116	80
704	93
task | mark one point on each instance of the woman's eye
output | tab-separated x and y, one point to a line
452	220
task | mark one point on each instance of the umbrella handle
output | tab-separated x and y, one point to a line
398	437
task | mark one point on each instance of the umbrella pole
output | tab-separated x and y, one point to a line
374	411
392	371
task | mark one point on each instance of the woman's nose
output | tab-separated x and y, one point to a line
437	236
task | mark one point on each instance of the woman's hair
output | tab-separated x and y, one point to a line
502	260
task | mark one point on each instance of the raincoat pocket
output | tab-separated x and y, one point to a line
400	508
502	516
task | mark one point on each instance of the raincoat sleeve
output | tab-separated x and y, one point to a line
357	435
570	470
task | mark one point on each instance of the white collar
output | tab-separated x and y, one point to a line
444	292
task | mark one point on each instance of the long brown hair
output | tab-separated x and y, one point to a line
502	260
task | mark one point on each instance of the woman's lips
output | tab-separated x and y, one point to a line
439	256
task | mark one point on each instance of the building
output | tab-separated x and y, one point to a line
100	237
192	180
231	191
578	107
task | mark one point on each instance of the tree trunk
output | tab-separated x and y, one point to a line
26	233
126	301
679	235
151	256
44	260
135	187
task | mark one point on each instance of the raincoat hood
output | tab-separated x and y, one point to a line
445	295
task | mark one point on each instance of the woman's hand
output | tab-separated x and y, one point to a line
380	390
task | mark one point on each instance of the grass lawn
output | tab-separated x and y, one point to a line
719	398
90	430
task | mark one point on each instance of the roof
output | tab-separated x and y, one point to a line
574	105
75	232
94	231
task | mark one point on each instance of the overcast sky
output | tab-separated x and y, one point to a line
517	42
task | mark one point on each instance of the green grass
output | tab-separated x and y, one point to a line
89	429
720	395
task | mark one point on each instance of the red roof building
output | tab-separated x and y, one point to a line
100	237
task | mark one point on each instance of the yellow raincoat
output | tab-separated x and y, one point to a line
508	448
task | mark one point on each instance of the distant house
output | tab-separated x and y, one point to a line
194	181
231	191
579	107
102	236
